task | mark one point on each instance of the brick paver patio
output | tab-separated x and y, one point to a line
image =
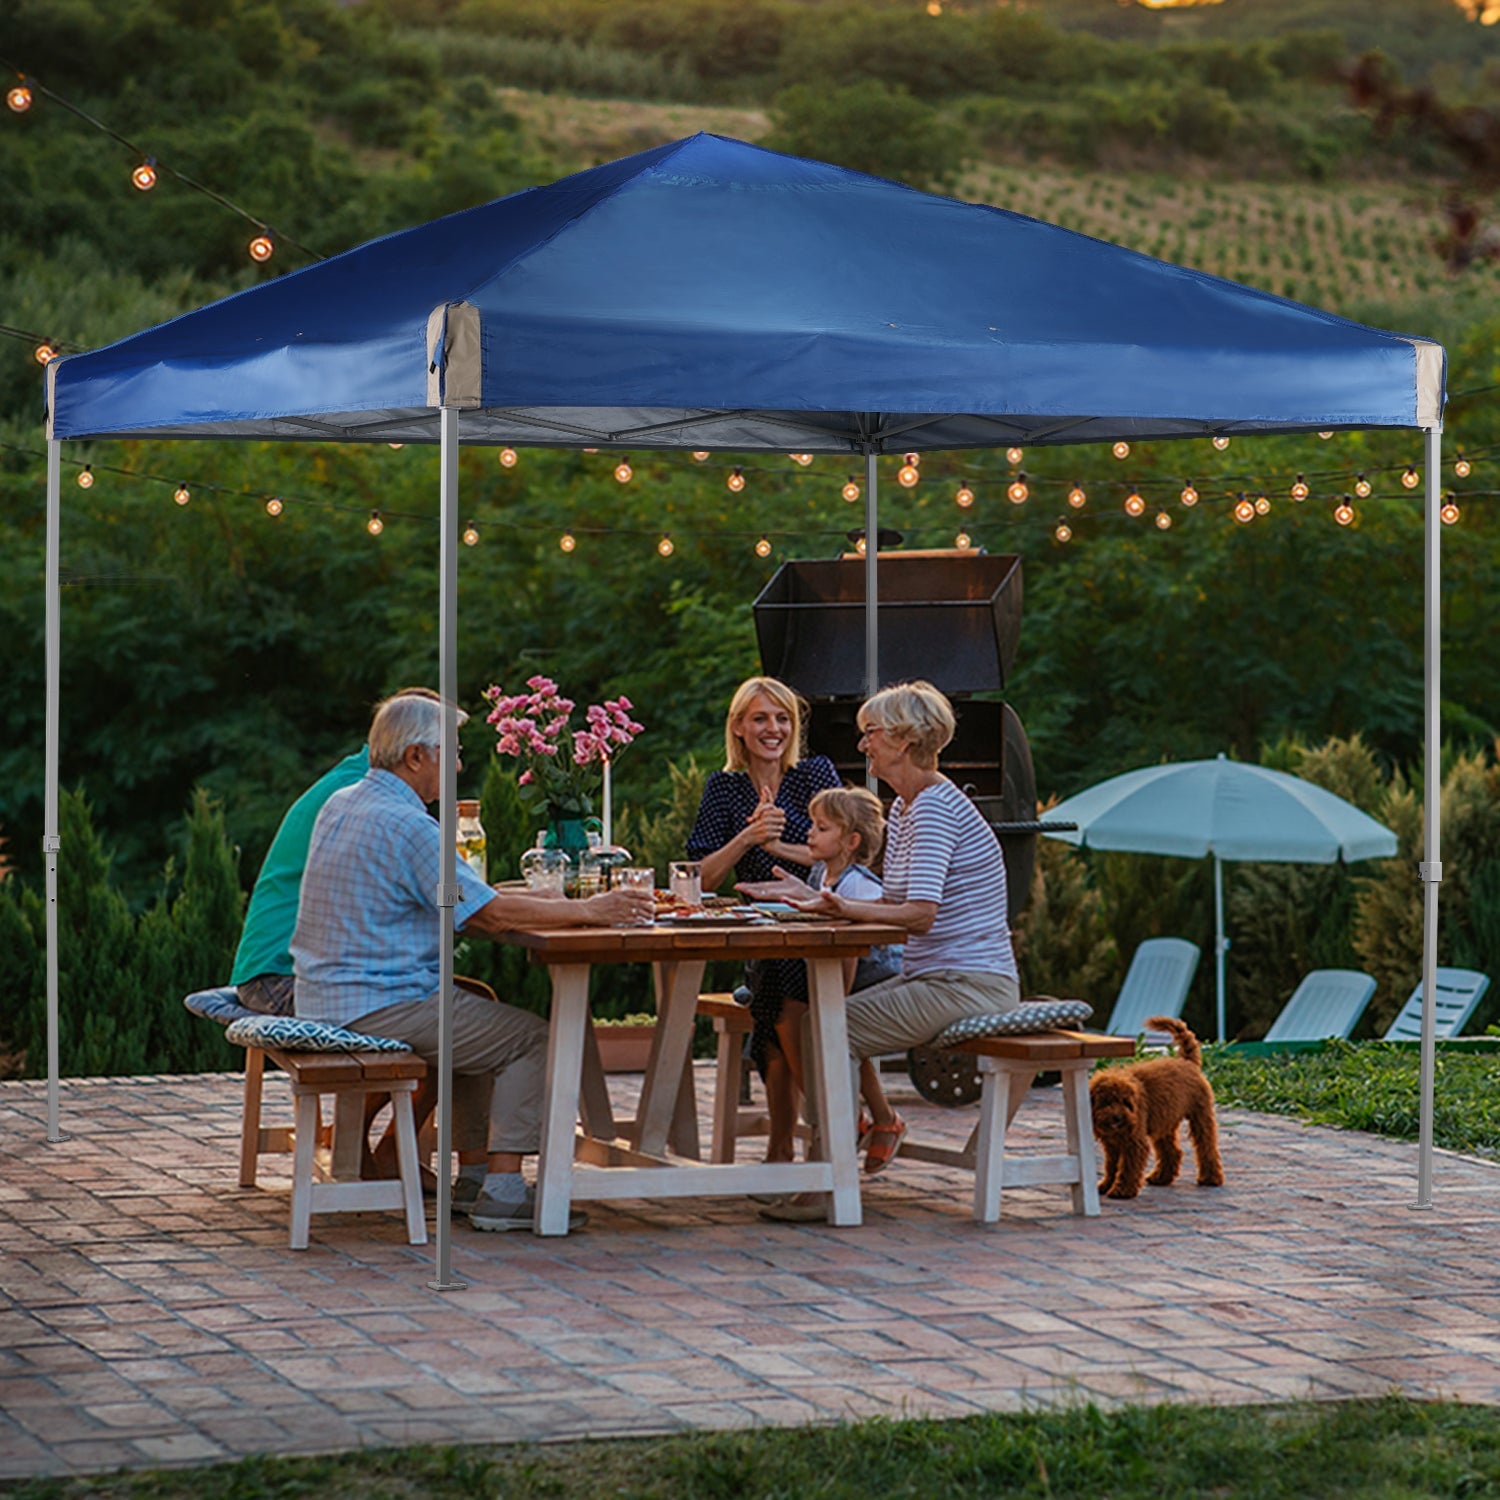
153	1314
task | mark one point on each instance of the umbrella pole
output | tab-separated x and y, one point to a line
1431	869
51	841
1221	947
872	589
447	891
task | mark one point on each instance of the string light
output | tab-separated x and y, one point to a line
274	506
262	247
623	471
18	98
763	547
1449	512
1343	512
1077	498
1262	506
859	546
395	447
471	535
1325	436
912	460
567	541
666	546
1013	456
1189	496
1121	450
86	477
144	176
1018	491
908	474
507	458
45	352
374	525
182	494
1221	443
801	458
1410	478
1299	489
700	458
736	481
964	498
1461	466
1063	532
850	491
963	541
1362	487
1244	511
1134	505
1163	520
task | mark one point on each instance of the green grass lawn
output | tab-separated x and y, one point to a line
1377	1450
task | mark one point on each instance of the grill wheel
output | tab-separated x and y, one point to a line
941	1077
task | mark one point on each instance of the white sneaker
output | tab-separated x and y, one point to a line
497	1218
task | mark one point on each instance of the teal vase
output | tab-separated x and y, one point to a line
571	835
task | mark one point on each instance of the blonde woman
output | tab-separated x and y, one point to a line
753	818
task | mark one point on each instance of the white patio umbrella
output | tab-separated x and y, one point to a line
1228	809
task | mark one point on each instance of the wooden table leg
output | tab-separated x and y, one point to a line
831	1079
677	1009
598	1113
565	1040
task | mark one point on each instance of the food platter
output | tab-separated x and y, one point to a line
737	916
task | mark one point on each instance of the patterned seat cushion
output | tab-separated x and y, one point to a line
288	1034
1034	1015
221	1005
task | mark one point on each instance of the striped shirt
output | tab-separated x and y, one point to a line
939	848
367	925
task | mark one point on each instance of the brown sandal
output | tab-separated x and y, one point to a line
883	1143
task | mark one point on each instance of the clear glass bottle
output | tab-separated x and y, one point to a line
471	839
546	869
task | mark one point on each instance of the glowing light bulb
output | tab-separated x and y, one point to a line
1077	498
801	458
1221	443
18	99
1362	487
1134	505
261	248
666	546
700	458
144	176
274	506
859	546
1461	466
590	450
1262	506
1163	521
507	458
1063	532
1299	489
45	352
763	547
736	481
374	525
963	541
850	491
1343	512
1449	513
1013	456
623	471
182	494
934	7
1410	478
1244	511
1189	496
912	459
86	477
1325	436
964	498
395	447
908	475
471	535
1018	492
1121	450
567	541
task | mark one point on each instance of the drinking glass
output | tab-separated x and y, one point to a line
637	878
686	880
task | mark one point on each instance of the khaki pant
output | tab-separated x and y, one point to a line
499	1066
908	1012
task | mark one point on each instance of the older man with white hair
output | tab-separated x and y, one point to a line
366	950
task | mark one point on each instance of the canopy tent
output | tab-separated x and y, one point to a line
711	294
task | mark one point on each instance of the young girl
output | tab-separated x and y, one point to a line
847	834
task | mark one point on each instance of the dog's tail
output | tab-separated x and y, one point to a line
1187	1044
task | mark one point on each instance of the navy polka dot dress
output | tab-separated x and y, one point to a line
729	799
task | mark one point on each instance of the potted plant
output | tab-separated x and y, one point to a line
625	1042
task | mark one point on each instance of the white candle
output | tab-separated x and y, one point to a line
607	820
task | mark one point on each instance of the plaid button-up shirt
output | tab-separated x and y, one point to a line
367	924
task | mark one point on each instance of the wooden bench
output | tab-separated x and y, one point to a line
1007	1066
333	1184
732	1024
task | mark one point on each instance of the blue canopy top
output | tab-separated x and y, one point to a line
712	294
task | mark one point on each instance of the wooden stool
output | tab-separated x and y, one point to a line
1007	1065
334	1185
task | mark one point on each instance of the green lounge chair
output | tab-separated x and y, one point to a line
1327	1003
1156	984
1459	992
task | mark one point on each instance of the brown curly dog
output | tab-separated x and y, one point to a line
1139	1107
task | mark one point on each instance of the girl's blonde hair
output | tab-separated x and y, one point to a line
744	695
855	809
914	714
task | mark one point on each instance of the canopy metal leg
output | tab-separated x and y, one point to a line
51	841
1221	943
872	588
1431	869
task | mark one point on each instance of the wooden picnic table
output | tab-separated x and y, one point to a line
600	1163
